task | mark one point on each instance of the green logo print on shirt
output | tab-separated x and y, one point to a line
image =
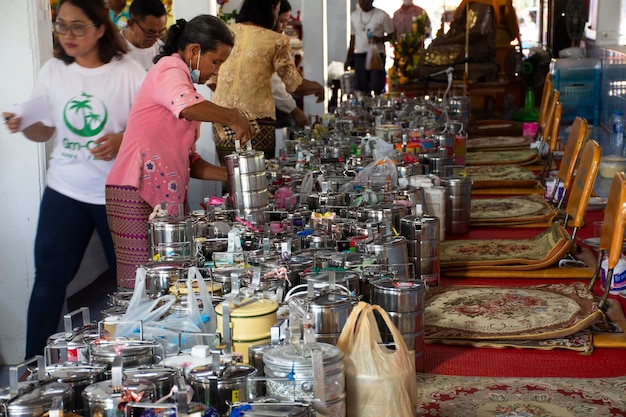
85	116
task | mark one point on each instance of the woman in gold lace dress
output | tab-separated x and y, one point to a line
244	80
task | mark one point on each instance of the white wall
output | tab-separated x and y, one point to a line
24	26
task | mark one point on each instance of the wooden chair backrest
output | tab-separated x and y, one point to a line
545	99
571	153
547	123
612	234
553	134
584	181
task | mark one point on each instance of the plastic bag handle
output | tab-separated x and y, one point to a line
346	338
401	347
139	293
207	300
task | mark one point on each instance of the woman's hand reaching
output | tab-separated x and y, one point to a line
243	128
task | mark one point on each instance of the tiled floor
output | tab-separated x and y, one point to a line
94	296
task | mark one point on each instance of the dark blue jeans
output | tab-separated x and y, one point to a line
368	80
63	232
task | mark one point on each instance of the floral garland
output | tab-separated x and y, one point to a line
226	17
407	51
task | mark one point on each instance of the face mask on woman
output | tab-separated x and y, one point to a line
195	74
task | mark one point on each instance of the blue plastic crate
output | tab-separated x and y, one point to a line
578	81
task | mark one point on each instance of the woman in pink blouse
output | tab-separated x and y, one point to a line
158	156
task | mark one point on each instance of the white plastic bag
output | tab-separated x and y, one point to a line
142	309
306	187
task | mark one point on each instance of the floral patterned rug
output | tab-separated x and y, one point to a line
540	251
455	396
580	342
492	143
498	176
505	313
511	211
517	157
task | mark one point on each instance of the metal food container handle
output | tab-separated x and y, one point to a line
67	320
216	336
14	370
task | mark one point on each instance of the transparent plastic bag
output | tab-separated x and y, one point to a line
205	319
375	172
376	376
142	309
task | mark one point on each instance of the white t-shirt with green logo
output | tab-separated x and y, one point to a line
84	104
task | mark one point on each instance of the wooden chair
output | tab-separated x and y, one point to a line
552	139
582	188
545	100
546	125
612	234
569	161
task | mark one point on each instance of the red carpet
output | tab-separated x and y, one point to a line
441	396
509	362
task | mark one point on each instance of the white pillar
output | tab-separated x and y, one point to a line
187	9
338	30
315	41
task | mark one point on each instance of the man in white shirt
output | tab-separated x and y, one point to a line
368	23
145	28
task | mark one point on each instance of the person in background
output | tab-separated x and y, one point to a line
89	87
145	28
244	81
119	12
368	23
285	103
158	155
403	18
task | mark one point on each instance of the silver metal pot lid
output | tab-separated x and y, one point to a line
125	349
104	391
397	285
386	240
300	262
159	267
36	395
324	276
170	220
265	409
77	337
229	373
157	374
331	299
75	371
286	356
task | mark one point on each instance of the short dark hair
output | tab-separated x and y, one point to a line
258	11
140	9
110	45
285	6
207	30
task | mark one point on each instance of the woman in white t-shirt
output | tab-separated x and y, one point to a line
88	88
